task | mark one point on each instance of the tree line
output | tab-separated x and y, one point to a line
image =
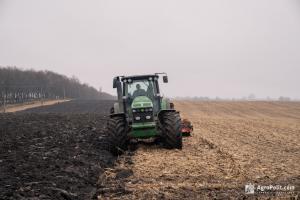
18	86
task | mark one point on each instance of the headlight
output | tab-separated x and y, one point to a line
134	110
137	118
148	117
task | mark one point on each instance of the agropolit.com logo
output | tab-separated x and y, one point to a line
249	189
268	189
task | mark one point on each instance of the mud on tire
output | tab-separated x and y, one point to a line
170	128
117	131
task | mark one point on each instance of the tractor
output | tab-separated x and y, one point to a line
141	112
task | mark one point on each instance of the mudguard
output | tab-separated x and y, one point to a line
117	114
164	111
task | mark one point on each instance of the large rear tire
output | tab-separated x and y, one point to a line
117	130
170	128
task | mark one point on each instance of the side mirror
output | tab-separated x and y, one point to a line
165	79
115	82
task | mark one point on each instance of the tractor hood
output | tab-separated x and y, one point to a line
142	102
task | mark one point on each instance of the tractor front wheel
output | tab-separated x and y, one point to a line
170	127
117	131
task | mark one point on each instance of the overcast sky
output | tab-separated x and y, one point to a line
208	47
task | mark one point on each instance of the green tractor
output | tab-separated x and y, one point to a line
141	113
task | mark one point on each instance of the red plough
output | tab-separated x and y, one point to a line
186	127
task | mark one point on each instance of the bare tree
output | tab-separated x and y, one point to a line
17	86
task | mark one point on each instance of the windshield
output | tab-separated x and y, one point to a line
140	88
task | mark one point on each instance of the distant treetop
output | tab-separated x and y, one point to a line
19	84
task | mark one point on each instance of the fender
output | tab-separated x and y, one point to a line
159	115
118	114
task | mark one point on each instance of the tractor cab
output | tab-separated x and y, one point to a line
141	94
138	93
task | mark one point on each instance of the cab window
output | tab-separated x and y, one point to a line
140	88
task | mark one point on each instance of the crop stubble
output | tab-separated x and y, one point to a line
234	143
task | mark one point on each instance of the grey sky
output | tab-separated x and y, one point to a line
209	48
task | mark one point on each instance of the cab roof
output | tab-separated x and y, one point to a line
139	77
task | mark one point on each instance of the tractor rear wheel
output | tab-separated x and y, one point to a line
170	127
117	130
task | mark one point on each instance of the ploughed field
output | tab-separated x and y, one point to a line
61	152
54	152
76	106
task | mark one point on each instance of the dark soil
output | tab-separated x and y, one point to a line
54	155
75	106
